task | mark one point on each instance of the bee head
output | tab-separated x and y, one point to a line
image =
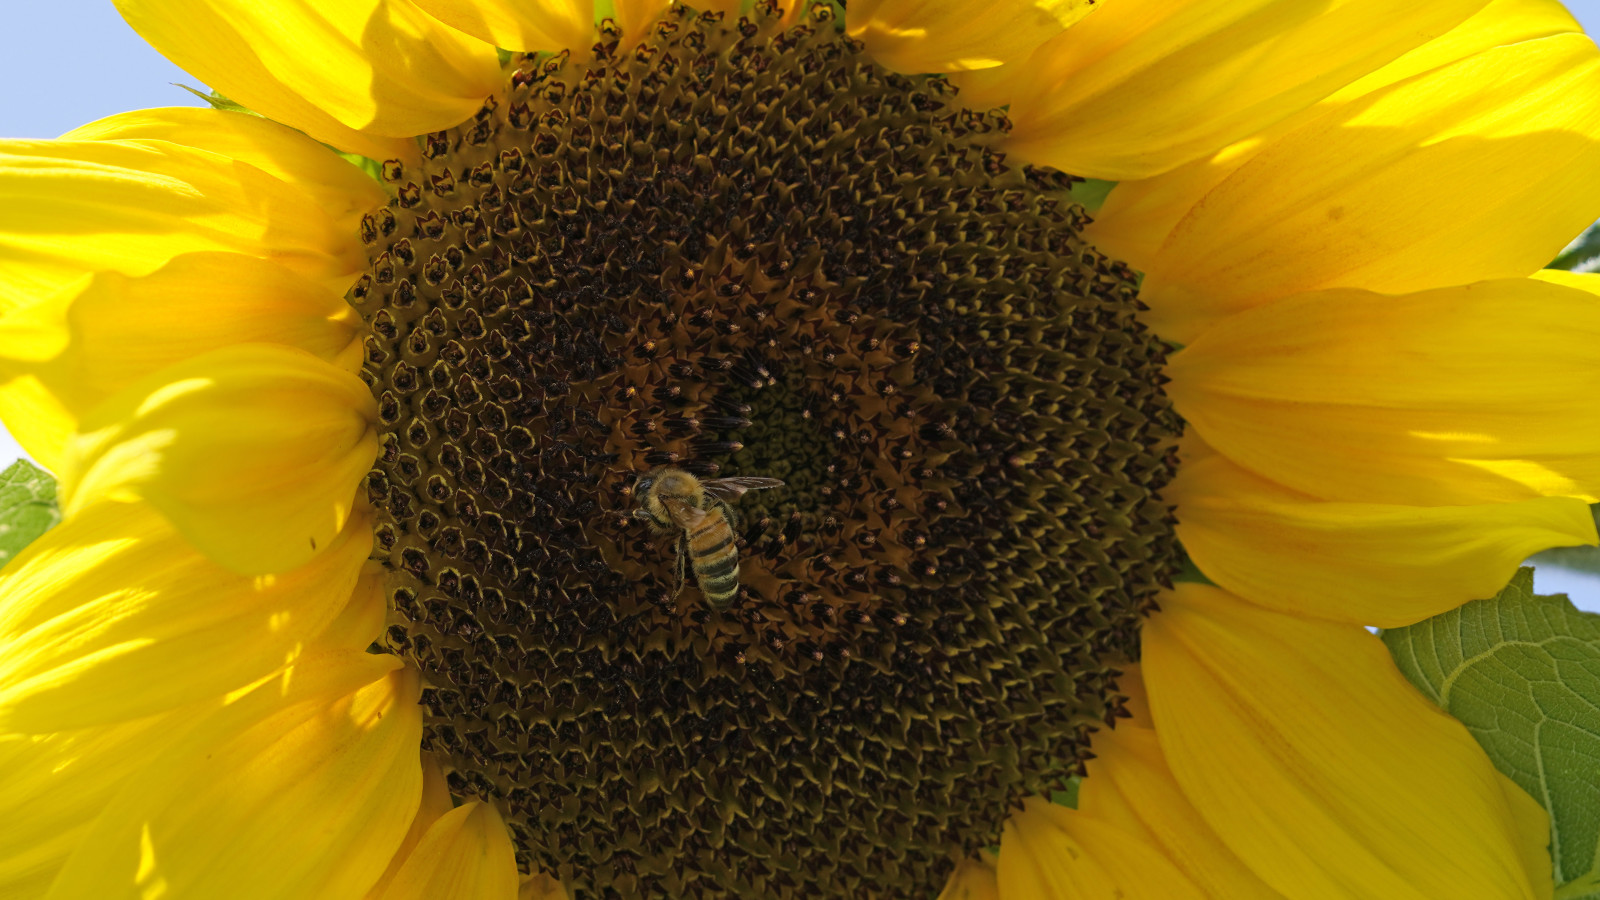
641	499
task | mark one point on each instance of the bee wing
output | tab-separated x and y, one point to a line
731	488
683	515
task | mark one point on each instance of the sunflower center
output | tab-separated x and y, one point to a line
740	249
788	438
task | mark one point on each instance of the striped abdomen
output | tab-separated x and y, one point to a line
714	556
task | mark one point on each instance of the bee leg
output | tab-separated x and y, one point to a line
683	564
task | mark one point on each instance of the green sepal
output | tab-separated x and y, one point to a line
1188	571
1091	192
1069	796
27	507
217	101
1522	672
367	164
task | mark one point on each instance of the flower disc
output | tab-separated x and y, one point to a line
742	249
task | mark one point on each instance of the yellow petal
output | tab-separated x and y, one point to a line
915	36
1143	86
253	452
435	802
1368	195
1046	853
338	188
1452	397
1130	789
342	71
35	418
1139	215
1317	763
1583	281
1499	23
301	788
1363	563
552	25
53	786
1532	826
973	879
74	207
361	621
113	616
107	330
466	855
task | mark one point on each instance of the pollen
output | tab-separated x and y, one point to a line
737	247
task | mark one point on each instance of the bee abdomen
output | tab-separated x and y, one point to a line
719	582
716	567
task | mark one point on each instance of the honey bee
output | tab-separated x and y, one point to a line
671	499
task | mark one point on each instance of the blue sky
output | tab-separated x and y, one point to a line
67	62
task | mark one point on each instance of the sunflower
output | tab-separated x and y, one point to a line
349	601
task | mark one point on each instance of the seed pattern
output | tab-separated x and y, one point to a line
738	247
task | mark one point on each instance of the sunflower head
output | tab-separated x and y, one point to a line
432	631
743	249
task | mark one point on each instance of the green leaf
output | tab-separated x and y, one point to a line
27	507
1582	254
1522	672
